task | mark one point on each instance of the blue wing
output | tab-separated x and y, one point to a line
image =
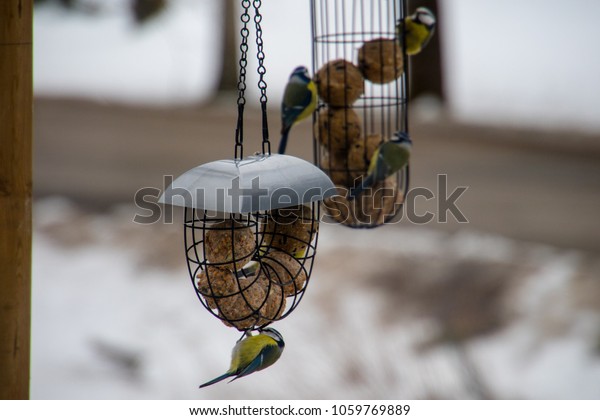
265	358
295	99
251	368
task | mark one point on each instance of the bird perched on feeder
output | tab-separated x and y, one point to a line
416	29
299	101
389	158
253	353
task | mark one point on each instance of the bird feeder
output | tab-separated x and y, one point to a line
361	72
250	223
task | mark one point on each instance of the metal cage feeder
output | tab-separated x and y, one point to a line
361	73
251	231
251	224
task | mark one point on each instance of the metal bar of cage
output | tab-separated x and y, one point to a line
197	225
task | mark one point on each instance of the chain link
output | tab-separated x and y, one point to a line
241	101
262	84
260	55
244	50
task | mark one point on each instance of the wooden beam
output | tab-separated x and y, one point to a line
15	196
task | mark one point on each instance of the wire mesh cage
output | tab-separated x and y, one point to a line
361	71
251	230
250	270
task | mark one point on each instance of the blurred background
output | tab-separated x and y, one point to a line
505	101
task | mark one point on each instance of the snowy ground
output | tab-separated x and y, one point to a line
390	313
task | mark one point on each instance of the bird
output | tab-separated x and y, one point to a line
252	353
299	102
389	158
416	29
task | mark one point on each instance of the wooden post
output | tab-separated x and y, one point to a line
15	196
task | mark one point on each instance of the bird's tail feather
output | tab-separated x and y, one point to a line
283	141
217	379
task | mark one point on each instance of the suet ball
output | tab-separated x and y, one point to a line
380	60
339	83
221	248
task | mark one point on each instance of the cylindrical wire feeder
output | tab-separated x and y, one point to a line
361	70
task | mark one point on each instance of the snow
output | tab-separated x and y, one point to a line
110	323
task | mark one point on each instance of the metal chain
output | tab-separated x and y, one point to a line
239	131
262	84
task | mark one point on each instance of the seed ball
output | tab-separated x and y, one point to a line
337	159
338	128
339	177
222	248
337	206
359	157
241	310
367	209
381	205
214	282
339	83
380	60
274	306
345	178
361	152
238	306
335	166
345	168
285	270
289	229
255	302
388	199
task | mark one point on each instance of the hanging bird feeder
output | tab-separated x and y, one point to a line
361	73
251	224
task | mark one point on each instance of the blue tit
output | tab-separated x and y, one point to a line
253	353
299	102
418	29
387	159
